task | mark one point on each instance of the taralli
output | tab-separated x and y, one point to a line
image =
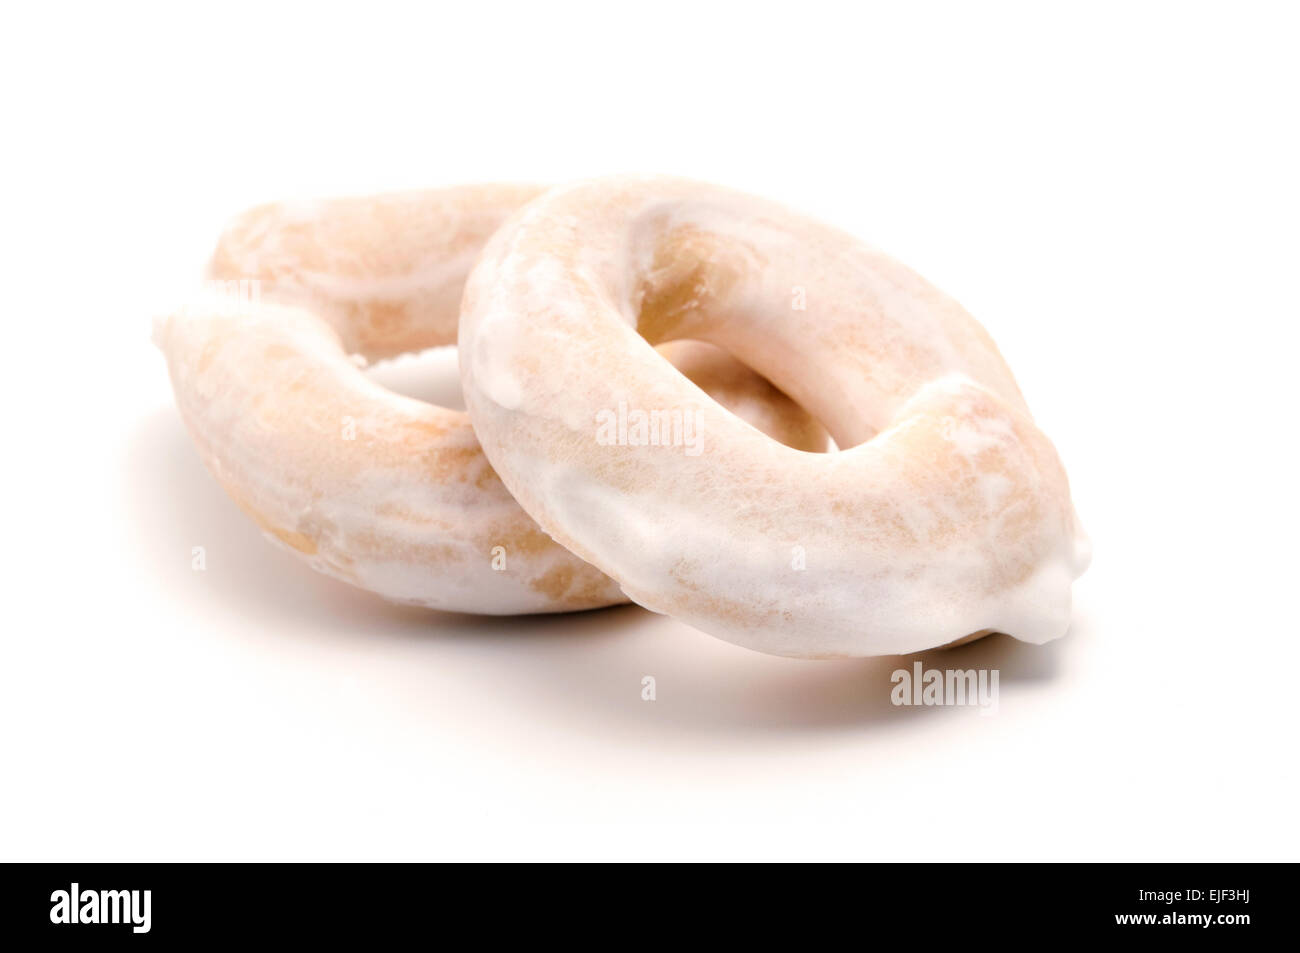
388	493
947	514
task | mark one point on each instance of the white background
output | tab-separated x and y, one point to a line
1111	190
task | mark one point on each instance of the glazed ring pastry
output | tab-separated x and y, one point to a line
388	493
946	514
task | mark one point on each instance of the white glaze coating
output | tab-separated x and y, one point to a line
949	515
388	493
